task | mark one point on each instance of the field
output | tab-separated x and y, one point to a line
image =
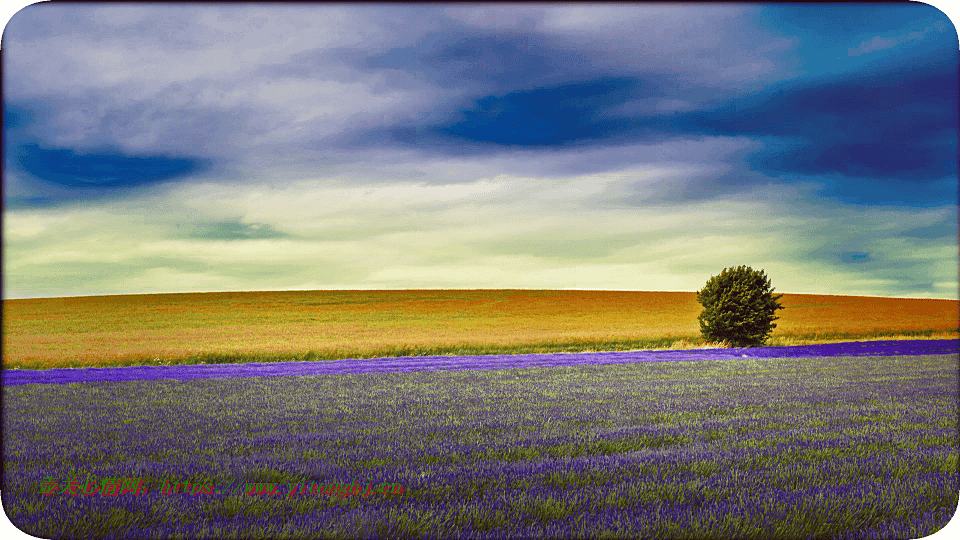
837	447
317	325
855	440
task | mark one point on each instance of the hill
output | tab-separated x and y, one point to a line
317	325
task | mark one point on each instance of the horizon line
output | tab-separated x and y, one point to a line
5	298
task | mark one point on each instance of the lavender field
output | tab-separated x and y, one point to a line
855	440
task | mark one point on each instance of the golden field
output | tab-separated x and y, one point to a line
296	325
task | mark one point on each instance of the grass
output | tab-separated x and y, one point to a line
102	331
753	448
845	447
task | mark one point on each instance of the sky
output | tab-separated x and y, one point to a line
219	147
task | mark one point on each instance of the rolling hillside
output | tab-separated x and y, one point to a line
296	325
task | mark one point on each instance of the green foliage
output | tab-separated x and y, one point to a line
738	307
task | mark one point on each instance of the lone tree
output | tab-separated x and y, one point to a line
738	307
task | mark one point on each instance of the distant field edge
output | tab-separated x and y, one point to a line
474	349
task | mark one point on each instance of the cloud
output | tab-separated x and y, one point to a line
67	168
550	116
945	229
234	230
878	43
483	60
876	128
501	232
611	146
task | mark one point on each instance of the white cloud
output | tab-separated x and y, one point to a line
500	232
20	226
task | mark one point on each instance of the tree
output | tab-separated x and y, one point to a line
738	307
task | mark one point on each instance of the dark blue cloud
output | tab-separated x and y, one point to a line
899	124
866	106
897	159
16	117
889	191
582	112
585	112
549	116
103	171
863	136
869	138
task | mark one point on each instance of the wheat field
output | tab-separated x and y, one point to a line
295	325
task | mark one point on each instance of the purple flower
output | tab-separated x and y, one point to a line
441	363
